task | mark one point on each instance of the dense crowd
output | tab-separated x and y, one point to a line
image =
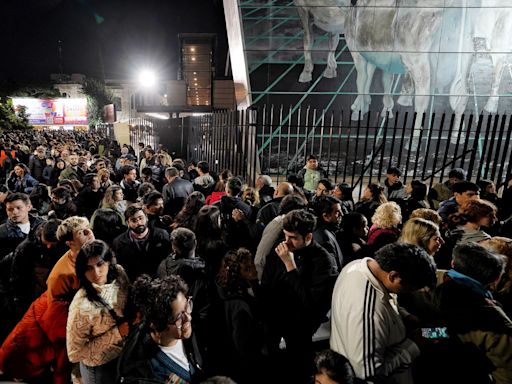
126	265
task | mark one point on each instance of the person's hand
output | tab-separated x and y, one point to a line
286	256
238	215
124	329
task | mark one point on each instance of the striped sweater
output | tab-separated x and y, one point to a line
367	328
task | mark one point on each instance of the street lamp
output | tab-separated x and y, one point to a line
147	78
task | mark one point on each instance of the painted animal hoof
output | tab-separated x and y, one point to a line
387	111
305	77
330	73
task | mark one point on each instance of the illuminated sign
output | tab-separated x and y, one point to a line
54	111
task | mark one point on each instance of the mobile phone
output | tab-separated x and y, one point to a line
434	333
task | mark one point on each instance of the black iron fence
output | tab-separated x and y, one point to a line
276	141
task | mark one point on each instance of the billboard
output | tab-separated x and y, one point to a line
54	111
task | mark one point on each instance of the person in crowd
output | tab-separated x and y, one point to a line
148	160
204	182
265	188
416	191
146	176
234	214
72	170
4	192
236	332
471	314
343	192
251	197
40	199
328	218
312	173
462	192
366	326
503	291
488	191
107	224
47	171
62	205
274	230
333	368
423	233
187	217
129	184
474	214
144	189
298	185
37	344
323	188
210	239
271	209
37	163
140	249
114	199
162	348
20	222
158	171
353	236
385	230
373	196
297	281
104	178
443	191
427	214
219	189
20	179
153	203
96	327
394	190
56	171
90	197
31	264
175	192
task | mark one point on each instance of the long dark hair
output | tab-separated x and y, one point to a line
92	249
188	214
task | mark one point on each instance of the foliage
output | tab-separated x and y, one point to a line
39	90
97	97
10	119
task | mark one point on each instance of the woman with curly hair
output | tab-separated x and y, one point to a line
162	348
373	196
96	327
237	335
385	230
473	215
188	215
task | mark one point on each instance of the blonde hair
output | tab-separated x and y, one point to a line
419	232
387	215
70	225
427	214
108	199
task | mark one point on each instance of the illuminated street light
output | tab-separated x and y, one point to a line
147	79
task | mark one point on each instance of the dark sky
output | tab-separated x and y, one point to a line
124	35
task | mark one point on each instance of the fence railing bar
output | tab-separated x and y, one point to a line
506	153
498	147
402	139
475	146
420	142
355	148
331	124
491	146
411	142
483	148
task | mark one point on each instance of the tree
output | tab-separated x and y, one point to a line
97	97
10	119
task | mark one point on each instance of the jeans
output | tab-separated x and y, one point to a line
101	374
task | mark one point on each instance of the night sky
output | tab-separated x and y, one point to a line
110	38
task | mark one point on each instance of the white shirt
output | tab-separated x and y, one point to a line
177	354
25	228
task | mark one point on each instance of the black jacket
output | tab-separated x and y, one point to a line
146	259
175	193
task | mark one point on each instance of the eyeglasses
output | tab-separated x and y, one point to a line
183	316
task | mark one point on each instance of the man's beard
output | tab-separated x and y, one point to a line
140	229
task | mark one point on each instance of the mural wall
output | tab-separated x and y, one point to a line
391	55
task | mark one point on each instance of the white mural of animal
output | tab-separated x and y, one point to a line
329	16
406	37
495	26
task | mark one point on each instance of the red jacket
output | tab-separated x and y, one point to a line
37	341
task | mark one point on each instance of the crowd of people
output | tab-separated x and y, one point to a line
130	266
